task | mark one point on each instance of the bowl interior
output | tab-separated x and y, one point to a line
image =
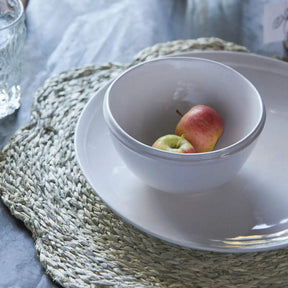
144	100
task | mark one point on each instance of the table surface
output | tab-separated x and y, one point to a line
65	34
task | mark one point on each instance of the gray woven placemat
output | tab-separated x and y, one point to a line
79	241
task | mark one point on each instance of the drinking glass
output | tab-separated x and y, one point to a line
12	37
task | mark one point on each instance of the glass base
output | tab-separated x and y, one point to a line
9	102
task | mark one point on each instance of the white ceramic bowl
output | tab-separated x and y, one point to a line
140	106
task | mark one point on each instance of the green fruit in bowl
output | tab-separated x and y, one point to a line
173	143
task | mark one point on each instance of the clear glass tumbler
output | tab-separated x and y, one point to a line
12	37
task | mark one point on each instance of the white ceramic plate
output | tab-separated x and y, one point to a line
248	214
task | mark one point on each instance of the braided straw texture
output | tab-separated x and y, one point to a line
78	240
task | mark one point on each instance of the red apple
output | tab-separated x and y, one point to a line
202	126
173	143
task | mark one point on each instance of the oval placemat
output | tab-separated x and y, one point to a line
78	240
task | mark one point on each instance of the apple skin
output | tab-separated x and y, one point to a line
173	143
202	126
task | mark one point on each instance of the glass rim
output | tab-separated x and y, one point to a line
17	19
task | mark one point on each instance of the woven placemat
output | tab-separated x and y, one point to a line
79	241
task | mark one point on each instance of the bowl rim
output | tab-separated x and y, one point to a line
145	150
